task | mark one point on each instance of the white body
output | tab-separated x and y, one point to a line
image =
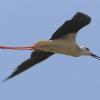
65	45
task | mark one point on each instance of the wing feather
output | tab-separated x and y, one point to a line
77	22
36	57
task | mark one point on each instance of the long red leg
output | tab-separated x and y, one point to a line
21	48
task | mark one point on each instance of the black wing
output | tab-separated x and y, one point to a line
36	57
77	22
71	26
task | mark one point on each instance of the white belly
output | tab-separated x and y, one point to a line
60	46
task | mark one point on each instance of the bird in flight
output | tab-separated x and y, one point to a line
63	41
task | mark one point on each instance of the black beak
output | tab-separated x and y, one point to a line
95	56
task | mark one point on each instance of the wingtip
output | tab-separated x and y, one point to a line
81	15
6	79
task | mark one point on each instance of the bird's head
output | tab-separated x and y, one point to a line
86	51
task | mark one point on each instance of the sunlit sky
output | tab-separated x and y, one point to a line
23	23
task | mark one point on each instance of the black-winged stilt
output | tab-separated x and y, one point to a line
63	41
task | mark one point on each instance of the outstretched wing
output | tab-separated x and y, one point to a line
77	22
71	26
36	57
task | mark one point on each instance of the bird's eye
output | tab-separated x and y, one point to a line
87	49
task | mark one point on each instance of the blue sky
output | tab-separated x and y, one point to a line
24	22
